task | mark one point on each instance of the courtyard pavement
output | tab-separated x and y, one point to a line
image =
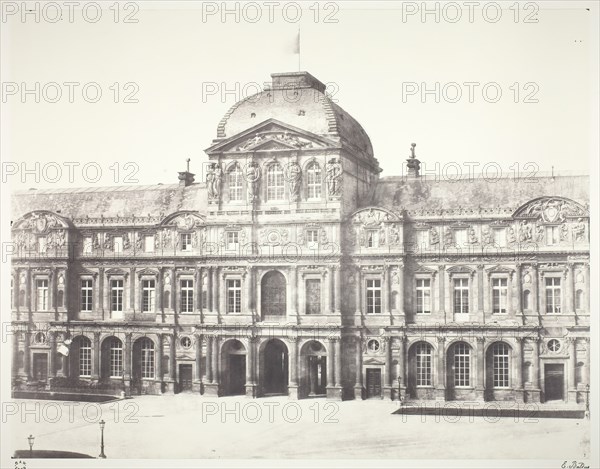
192	426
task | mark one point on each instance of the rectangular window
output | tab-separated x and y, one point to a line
234	296
235	180
373	296
423	296
186	241
423	356
116	360
461	295
87	245
187	296
422	240
372	238
42	244
313	296
501	366
500	237
552	235
149	243
460	237
148	296
116	295
42	295
86	295
553	295
462	366
233	240
85	359
499	295
118	244
147	361
312	238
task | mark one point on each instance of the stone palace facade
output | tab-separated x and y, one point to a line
295	268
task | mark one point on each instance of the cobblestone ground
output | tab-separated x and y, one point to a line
189	426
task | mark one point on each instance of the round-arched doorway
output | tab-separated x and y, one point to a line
275	367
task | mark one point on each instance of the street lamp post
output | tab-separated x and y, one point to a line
400	389
30	438
102	455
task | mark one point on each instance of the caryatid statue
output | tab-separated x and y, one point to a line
334	177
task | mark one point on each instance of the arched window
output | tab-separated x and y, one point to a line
147	357
85	357
313	181
579	299
275	186
462	365
501	365
116	358
526	300
234	182
423	364
273	294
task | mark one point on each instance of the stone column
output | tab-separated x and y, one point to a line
570	279
401	290
519	288
197	384
52	354
96	355
586	368
337	295
440	386
542	293
197	291
535	301
387	377
159	361
127	352
329	289
402	369
442	290
215	290
250	384
587	287
248	285
385	290
173	362
480	363
358	384
333	392
294	294
293	357
533	393
357	304
209	368
572	377
159	296
518	369
480	289
26	355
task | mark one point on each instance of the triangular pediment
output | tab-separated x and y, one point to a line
373	361
499	269
272	135
421	269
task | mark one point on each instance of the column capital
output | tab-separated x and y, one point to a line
440	340
480	340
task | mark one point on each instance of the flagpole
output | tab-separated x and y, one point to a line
299	48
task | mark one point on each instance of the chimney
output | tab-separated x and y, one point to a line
185	177
295	80
413	164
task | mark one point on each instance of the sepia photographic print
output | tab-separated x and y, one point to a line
286	234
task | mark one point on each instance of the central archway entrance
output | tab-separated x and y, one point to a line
275	376
233	375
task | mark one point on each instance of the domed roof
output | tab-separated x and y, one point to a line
298	99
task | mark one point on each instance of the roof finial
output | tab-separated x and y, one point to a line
412	150
188	165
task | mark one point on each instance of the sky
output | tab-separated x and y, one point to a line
184	64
